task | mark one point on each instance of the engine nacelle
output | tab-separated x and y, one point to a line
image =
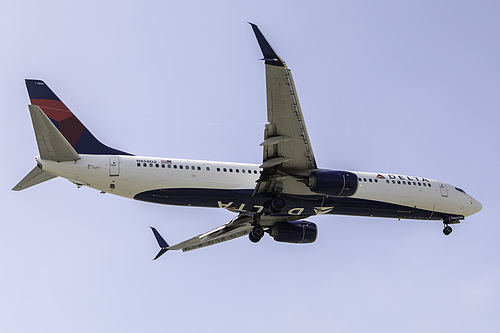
294	232
333	183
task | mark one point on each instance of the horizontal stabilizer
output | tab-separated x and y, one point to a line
36	176
51	143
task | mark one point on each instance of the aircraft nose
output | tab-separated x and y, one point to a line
476	206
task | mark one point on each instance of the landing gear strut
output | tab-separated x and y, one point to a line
447	230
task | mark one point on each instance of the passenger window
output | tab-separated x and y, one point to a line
387	181
144	165
199	168
208	168
364	179
376	180
138	164
181	167
163	166
170	166
394	182
237	170
225	170
218	169
370	180
419	184
230	170
157	165
404	183
399	182
150	165
243	170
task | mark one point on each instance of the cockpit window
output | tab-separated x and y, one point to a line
460	190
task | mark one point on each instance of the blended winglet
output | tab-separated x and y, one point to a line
270	56
161	242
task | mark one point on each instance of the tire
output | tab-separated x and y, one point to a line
277	204
447	230
256	234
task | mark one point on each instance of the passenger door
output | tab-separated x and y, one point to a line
443	189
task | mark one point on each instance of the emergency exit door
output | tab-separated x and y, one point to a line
114	166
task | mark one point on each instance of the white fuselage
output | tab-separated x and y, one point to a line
127	176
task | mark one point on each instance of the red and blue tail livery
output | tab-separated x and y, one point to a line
80	138
272	197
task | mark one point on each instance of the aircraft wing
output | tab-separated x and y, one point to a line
288	155
287	148
238	227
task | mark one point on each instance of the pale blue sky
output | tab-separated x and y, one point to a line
391	86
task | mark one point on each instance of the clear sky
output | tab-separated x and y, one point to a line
405	87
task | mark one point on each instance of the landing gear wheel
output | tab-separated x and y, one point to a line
256	234
447	230
277	204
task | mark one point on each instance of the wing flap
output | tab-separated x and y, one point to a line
285	119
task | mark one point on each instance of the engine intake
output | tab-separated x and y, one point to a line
294	232
333	183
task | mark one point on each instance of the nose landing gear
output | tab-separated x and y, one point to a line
451	220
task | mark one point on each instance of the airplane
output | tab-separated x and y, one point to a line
273	197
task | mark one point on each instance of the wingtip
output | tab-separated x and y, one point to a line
161	242
270	56
162	252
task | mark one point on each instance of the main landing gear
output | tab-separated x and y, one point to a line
257	232
276	204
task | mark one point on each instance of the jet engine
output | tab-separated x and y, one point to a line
294	232
333	183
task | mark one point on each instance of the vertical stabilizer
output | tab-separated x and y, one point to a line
52	145
78	136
